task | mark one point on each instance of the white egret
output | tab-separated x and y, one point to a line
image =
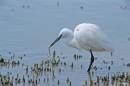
86	36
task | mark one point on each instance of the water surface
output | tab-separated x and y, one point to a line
29	26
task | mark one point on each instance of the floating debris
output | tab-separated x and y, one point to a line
81	7
25	6
128	65
123	7
129	39
58	3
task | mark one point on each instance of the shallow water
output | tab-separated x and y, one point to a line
29	26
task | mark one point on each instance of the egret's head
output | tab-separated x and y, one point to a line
64	33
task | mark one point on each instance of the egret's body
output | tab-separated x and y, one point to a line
90	37
86	36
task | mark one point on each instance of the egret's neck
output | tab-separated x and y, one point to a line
67	35
70	37
70	40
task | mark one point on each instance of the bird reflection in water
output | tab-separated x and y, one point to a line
90	78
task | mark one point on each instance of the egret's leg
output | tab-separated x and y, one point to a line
92	60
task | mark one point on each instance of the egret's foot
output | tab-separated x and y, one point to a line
89	69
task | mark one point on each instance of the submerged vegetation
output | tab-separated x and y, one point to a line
48	70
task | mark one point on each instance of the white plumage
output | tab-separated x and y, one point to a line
89	36
86	36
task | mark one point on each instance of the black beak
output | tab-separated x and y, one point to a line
55	42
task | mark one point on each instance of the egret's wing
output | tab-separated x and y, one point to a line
91	37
